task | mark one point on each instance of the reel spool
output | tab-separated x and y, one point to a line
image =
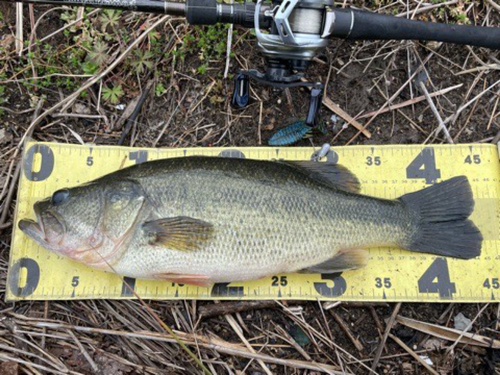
296	31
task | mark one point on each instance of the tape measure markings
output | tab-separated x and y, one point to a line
352	287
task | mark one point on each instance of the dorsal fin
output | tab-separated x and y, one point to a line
334	175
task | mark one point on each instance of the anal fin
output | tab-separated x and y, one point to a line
343	261
187	278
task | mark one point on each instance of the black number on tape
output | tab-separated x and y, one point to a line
279	280
232	154
424	166
223	290
492	283
128	287
476	159
339	285
437	280
75	281
373	160
90	161
46	165
32	277
383	282
138	156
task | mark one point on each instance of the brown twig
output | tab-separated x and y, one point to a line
347	331
388	328
494	5
455	116
10	195
17	172
413	354
493	112
19	29
224	308
69	99
412	101
391	99
450	348
189	339
84	351
292	342
442	126
350	120
237	329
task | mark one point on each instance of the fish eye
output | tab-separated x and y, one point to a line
60	197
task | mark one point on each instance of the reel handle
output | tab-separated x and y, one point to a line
314	104
241	93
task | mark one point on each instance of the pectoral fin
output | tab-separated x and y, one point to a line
187	278
343	261
179	233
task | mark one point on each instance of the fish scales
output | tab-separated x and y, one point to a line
266	221
206	219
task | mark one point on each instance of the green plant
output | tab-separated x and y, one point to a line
462	18
202	69
110	18
208	42
112	94
69	16
90	68
154	37
160	89
3	97
452	14
99	55
142	61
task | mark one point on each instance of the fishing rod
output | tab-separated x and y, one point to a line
290	33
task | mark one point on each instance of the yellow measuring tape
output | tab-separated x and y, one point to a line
384	171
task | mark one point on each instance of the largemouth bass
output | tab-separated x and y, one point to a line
202	220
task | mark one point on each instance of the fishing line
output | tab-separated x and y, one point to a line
307	21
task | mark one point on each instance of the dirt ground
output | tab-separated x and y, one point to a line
178	72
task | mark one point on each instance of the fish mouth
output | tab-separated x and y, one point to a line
48	229
33	229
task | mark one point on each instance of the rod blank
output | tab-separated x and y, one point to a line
150	6
362	25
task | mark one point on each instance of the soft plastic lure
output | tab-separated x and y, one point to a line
290	134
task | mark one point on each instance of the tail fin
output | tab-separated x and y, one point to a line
443	228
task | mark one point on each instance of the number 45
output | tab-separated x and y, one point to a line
472	159
491	283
